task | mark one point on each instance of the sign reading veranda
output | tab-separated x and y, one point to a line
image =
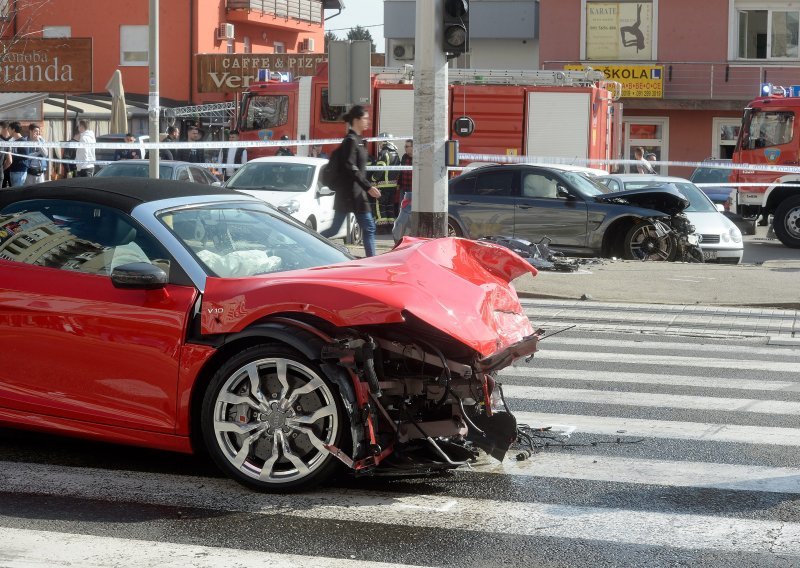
230	73
56	65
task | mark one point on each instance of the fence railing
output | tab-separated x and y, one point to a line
304	10
704	80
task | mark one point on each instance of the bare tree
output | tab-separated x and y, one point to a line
17	19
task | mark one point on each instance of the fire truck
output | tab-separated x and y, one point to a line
769	137
565	114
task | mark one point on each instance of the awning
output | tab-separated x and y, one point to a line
21	106
92	108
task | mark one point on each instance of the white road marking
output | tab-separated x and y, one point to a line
667	360
617	426
650	472
648	379
659	346
646	399
644	528
32	549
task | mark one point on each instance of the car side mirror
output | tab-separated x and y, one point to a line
720	207
325	191
138	276
562	192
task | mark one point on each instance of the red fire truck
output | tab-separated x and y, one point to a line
769	137
538	113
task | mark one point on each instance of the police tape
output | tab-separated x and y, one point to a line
591	163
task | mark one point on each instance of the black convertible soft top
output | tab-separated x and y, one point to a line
118	192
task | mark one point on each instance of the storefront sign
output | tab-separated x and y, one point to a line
57	65
638	81
619	30
229	73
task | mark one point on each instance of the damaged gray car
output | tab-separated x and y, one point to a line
573	213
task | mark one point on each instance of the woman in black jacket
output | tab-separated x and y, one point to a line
353	190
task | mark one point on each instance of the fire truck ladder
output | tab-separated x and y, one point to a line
534	78
213	112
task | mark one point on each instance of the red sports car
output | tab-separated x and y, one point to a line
172	316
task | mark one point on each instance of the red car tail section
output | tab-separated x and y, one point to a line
458	286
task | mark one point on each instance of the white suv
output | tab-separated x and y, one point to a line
292	185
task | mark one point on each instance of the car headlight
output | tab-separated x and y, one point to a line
292	206
736	234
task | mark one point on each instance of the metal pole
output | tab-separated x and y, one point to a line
153	109
429	205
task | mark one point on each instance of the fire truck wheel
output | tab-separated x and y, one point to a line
786	222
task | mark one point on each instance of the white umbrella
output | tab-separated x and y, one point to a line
119	110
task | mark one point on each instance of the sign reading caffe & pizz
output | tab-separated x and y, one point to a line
230	73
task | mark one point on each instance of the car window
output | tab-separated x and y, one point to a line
76	236
494	184
769	128
711	175
539	184
462	185
141	170
266	111
237	240
273	176
199	175
611	184
182	174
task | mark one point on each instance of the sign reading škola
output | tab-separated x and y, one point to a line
638	81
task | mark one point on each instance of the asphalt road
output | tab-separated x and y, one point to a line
682	451
758	248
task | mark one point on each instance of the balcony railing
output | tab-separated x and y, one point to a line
303	10
708	81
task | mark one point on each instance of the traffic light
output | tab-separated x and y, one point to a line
456	27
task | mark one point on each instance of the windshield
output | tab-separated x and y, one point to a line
119	169
711	175
585	184
273	176
698	201
235	240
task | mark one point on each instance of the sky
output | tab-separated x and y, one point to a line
366	13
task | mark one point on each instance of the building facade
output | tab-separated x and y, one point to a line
687	68
188	30
503	34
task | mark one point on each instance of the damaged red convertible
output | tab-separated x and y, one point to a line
165	315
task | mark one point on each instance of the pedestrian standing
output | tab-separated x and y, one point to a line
232	156
353	190
5	157
18	170
193	155
85	154
37	157
402	222
128	153
284	150
71	167
643	167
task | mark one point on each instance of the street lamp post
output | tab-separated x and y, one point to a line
153	109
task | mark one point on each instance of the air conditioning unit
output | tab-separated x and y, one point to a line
307	46
225	31
403	51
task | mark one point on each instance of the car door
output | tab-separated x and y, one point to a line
74	346
484	202
546	208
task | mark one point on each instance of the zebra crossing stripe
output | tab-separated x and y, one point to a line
666	360
29	548
646	399
623	526
698	431
660	346
614	469
539	372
